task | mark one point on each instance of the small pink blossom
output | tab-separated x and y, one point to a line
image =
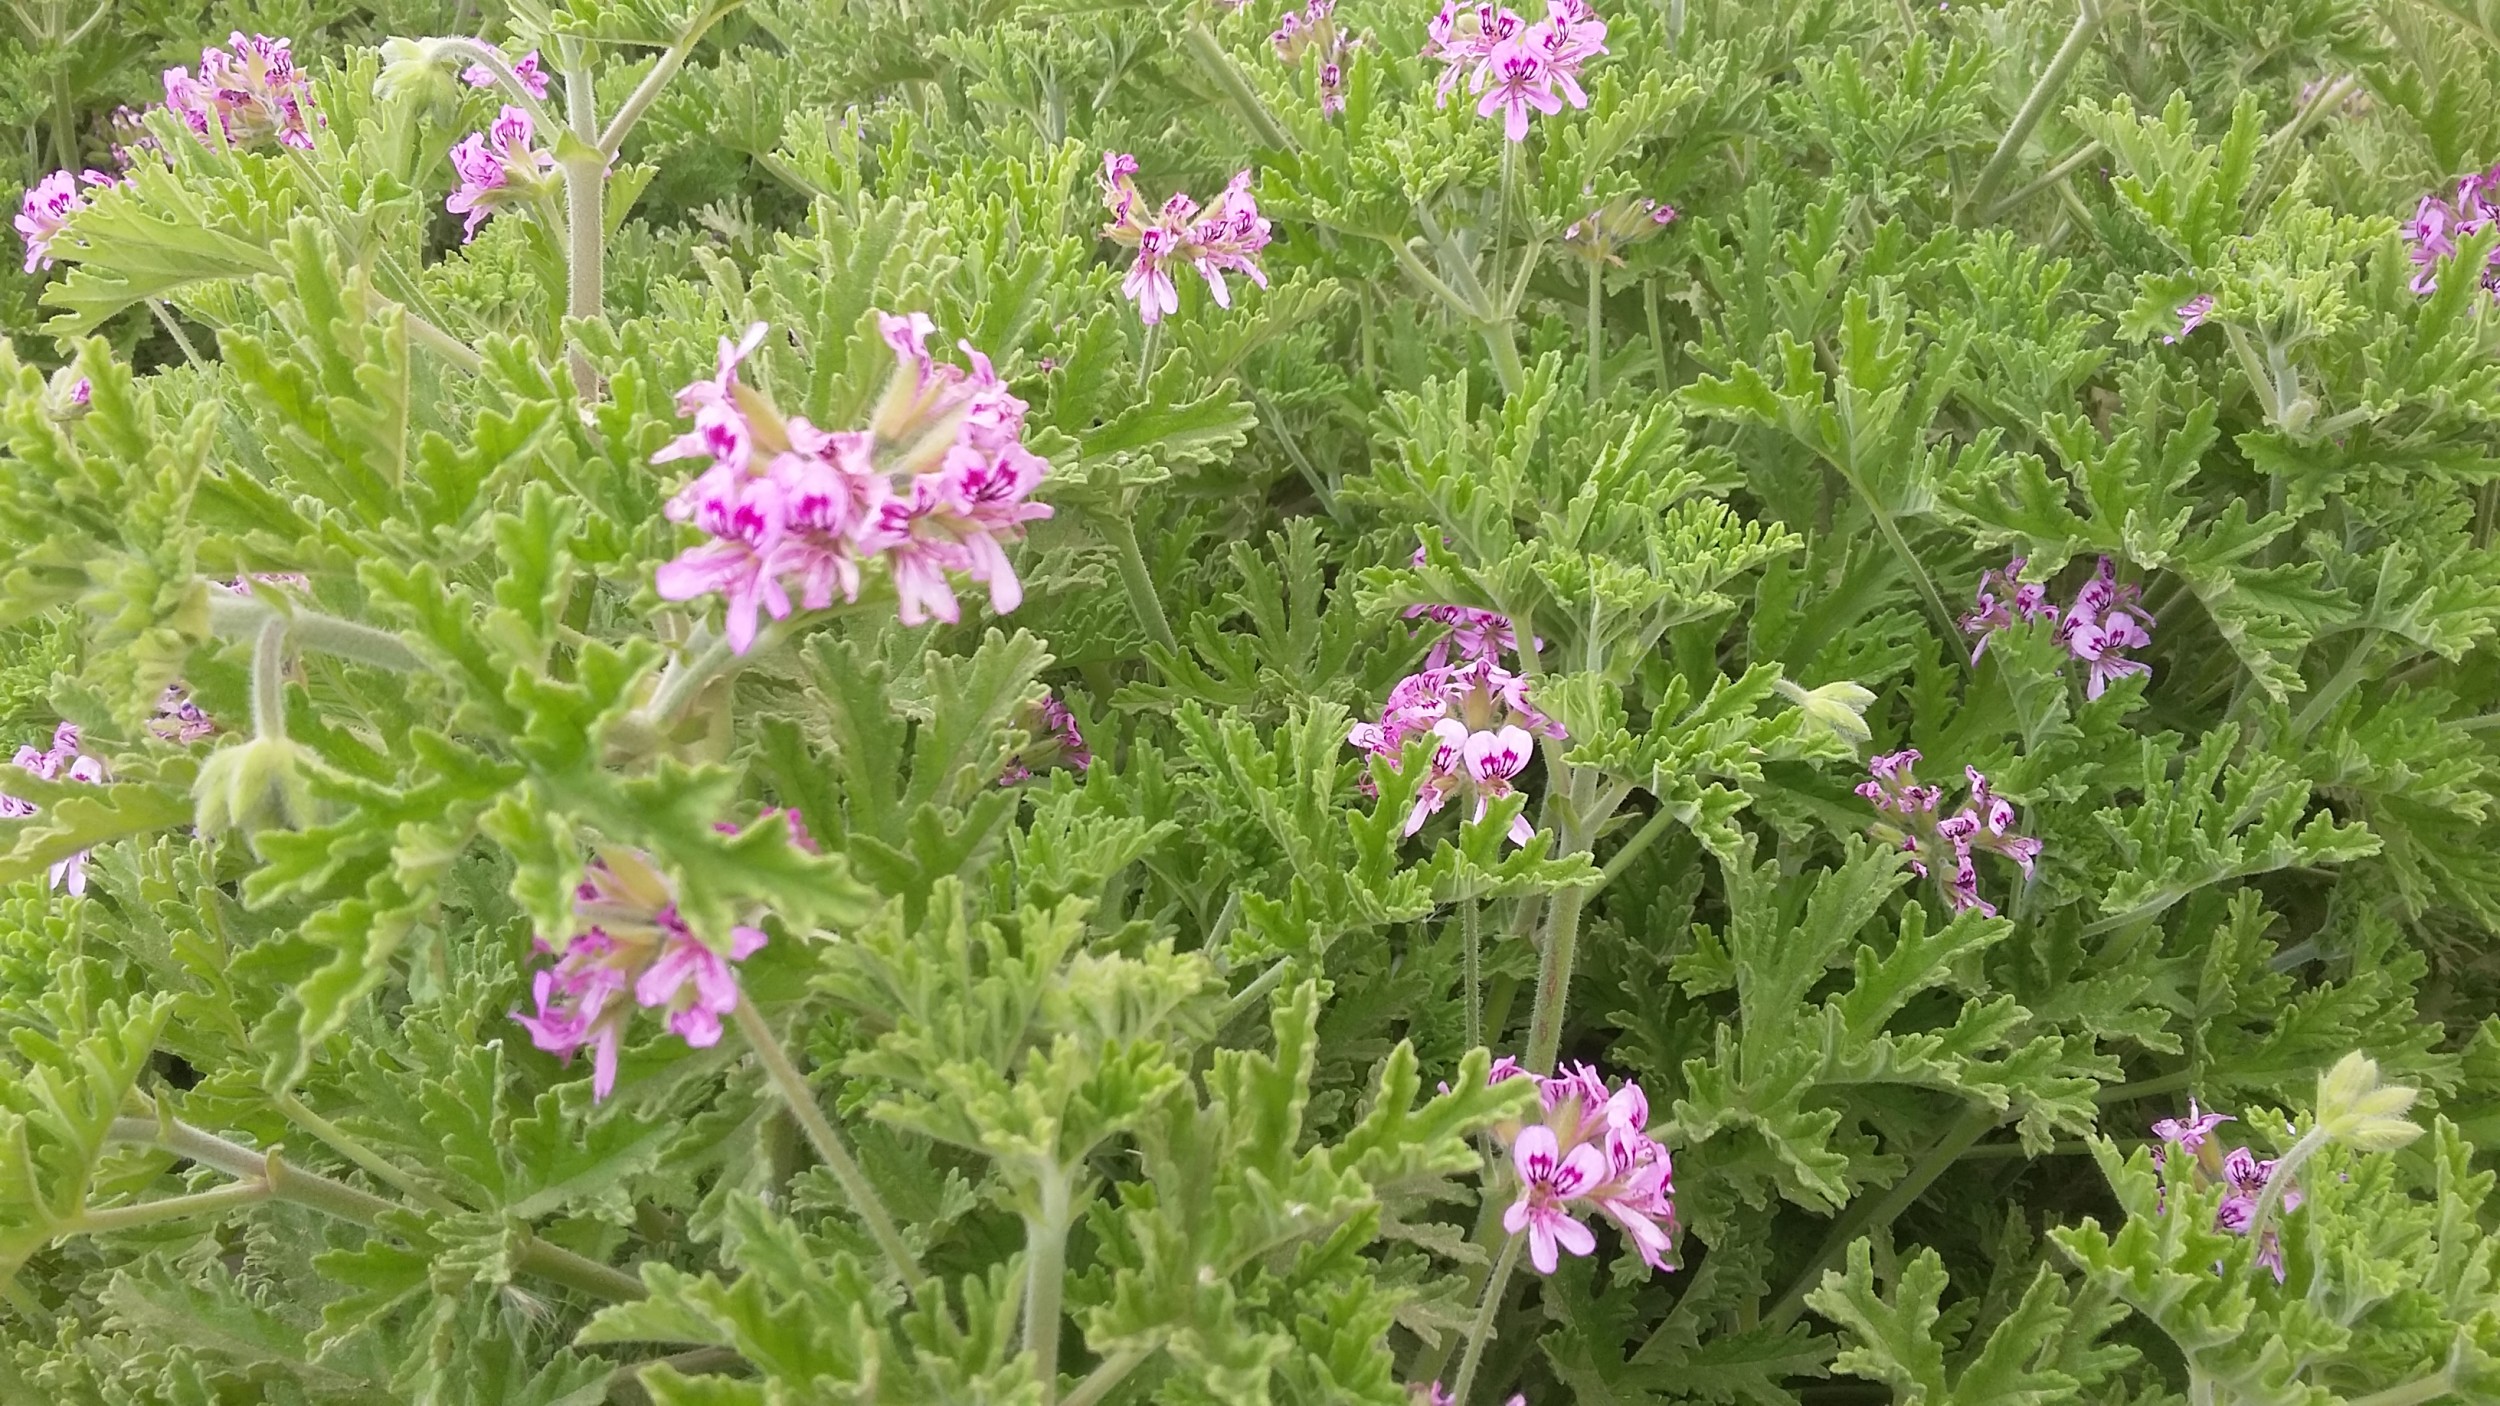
2105	621
48	206
499	170
2192	314
1485	730
62	761
1591	1149
1056	742
525	68
1514	67
251	94
1910	820
1315	31
178	719
1226	238
2241	1174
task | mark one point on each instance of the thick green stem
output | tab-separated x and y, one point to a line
374	1164
1553	979
1657	338
287	1182
1501	212
1597	334
233	615
2036	105
269	680
2413	1393
459	51
801	1098
450	348
1099	1382
1471	933
1248	998
1634	848
112	1218
1481	1331
1490	323
585	170
1227	76
1865	1215
2146	1088
1045	1276
645	93
173	329
1137	580
2073	163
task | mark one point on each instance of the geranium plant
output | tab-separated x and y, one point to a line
1236	702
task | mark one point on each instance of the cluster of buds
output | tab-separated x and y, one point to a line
525	68
63	760
2438	223
1915	821
1484	730
1595	237
1511	65
1056	742
2105	621
2241	1173
1591	1150
633	943
251	95
48	205
936	484
1315	31
1226	237
499	170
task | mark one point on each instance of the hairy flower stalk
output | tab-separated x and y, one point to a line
1225	237
1915	823
933	488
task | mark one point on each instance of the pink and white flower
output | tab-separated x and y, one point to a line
63	760
1590	1150
1226	238
251	94
499	170
1514	67
48	206
1910	820
1486	734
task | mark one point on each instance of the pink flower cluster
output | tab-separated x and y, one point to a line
48	205
533	78
1475	634
632	941
1985	822
1315	31
1590	1151
1056	742
2105	621
63	760
499	170
1485	729
2241	1173
1514	66
245	97
1435	1394
937	483
1224	238
2438	224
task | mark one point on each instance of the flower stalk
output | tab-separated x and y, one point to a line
2036	103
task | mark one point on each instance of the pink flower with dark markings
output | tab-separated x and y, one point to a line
1226	238
62	761
525	68
48	206
245	95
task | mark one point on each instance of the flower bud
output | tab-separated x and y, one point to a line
410	69
259	784
1835	708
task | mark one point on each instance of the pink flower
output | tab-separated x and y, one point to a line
1521	82
1516	67
2021	602
533	79
1056	742
1316	31
247	96
1912	823
2242	1175
178	719
1547	1179
631	940
1227	238
498	169
2189	1133
48	205
935	487
2192	315
2106	620
63	760
1486	729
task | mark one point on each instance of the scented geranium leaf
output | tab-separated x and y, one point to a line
159	234
73	817
57	1110
212	1313
569	1160
2187	193
2214	823
1900	1340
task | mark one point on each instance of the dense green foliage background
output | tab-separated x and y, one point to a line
1187	1006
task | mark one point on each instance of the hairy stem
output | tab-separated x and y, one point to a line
1597	338
1208	53
1633	848
2072	163
374	1164
233	615
450	348
1137	580
1045	1276
1481	1331
2036	105
1247	998
1865	1215
1553	979
1657	338
585	170
645	93
801	1098
269	680
1099	1382
139	1213
1471	933
182	339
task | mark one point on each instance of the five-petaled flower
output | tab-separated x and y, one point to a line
63	760
499	170
935	486
1511	66
1225	237
1315	31
1939	844
1590	1150
48	205
252	94
1484	732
